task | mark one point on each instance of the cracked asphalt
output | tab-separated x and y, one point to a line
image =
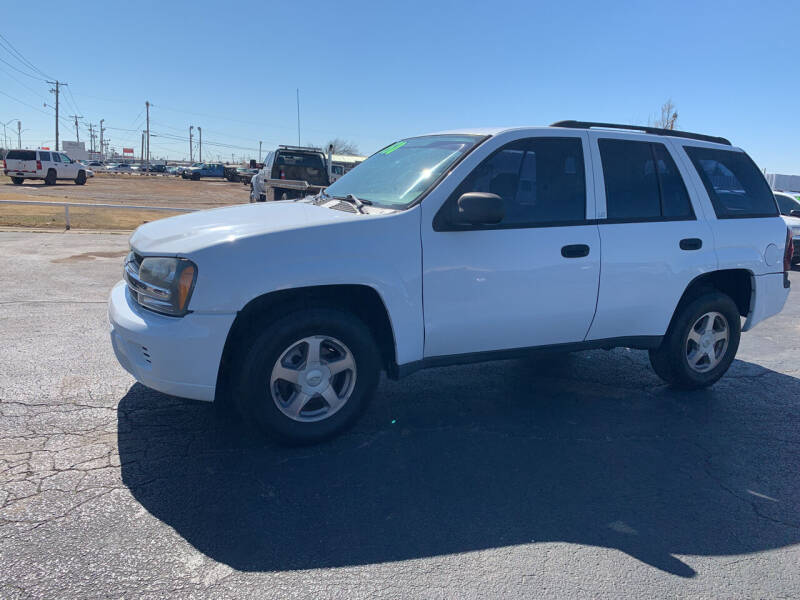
576	476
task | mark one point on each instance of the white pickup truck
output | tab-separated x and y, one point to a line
451	248
45	165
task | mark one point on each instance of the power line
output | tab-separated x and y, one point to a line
21	71
19	56
25	103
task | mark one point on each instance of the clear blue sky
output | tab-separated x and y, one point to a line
372	72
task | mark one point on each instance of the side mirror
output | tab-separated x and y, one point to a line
480	208
794	213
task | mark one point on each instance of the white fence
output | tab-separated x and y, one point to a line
66	206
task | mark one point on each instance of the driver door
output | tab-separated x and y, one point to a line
530	280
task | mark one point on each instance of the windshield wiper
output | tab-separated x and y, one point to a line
354	200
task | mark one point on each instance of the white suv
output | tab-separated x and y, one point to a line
45	165
452	248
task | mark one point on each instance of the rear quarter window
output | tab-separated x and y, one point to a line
21	155
736	187
45	156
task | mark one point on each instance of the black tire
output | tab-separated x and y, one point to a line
254	393
195	176
670	361
50	178
81	178
17	180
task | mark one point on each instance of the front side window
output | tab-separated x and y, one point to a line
541	182
736	187
398	175
65	159
642	182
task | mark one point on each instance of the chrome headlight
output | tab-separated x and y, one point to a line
161	284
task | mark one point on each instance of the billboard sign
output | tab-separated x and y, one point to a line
127	150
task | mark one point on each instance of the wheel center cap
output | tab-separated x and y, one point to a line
314	377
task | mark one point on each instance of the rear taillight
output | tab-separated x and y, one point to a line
38	165
4	163
283	175
787	255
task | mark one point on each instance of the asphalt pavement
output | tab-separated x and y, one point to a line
580	476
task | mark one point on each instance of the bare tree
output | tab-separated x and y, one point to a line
668	118
341	146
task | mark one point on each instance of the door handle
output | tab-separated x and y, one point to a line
575	251
691	244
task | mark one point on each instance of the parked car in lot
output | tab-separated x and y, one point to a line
453	248
216	170
245	175
789	206
120	168
45	165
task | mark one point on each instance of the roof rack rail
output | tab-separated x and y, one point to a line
288	147
645	129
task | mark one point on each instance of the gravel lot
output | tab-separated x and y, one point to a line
575	477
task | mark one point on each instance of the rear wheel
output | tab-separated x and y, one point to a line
701	343
17	180
50	178
308	375
81	178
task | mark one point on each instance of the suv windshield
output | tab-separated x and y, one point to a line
400	173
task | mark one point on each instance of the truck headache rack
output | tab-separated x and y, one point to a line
645	129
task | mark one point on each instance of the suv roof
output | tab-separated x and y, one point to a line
569	124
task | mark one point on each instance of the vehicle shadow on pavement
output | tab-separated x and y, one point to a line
589	448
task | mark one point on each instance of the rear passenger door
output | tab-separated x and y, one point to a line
653	236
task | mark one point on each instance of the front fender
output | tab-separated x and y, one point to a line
381	252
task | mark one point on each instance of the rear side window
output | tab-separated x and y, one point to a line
642	182
736	187
541	182
45	156
21	155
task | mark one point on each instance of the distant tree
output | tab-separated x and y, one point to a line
341	146
668	118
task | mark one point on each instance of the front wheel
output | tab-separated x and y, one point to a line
308	375
700	344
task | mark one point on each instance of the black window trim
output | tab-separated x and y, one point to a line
712	198
660	219
441	224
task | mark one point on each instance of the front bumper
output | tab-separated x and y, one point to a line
179	356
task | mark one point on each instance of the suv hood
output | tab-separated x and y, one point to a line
189	233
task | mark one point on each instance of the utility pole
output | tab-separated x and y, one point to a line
55	91
19	135
259	151
102	153
200	133
191	150
77	134
141	156
147	106
91	139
